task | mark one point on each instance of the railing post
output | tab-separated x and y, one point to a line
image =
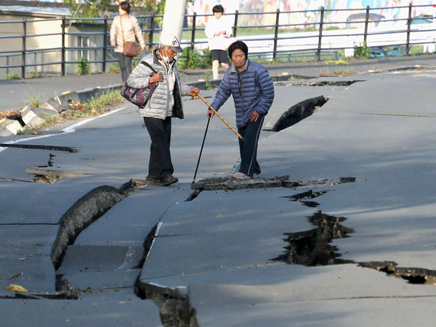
150	35
194	18
105	45
409	23
235	26
23	54
63	47
276	34
321	26
365	33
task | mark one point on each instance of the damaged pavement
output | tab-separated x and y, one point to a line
345	202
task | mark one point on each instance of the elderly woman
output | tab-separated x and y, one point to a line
253	94
124	28
160	66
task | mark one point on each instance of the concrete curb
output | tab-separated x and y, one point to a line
31	117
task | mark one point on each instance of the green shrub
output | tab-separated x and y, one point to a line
207	58
362	52
115	68
191	59
207	84
83	66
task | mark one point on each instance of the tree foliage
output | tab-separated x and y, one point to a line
101	8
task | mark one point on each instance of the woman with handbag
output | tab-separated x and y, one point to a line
123	31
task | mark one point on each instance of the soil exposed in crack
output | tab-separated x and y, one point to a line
232	184
304	198
313	248
319	83
174	308
418	276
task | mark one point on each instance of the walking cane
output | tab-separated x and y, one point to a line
201	150
216	113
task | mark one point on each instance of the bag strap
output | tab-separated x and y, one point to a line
149	66
121	23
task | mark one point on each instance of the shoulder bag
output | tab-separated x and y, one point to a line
139	97
130	49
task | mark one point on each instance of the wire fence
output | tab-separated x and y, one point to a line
282	35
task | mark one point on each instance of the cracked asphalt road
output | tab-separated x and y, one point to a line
209	261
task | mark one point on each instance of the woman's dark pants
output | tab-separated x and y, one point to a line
125	66
248	148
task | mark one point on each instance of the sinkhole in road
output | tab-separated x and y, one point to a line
313	248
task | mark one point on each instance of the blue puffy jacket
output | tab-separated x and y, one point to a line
256	91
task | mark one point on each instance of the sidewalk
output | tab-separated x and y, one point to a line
54	94
15	94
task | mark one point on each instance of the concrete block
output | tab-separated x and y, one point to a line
9	127
87	94
104	89
61	102
41	112
30	118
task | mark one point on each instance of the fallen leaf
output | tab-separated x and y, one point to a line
16	288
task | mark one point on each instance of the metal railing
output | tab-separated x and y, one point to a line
279	37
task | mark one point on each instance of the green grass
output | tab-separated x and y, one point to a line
34	100
12	75
95	107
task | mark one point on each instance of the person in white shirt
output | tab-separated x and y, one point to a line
218	31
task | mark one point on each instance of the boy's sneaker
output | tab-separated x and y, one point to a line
168	180
239	175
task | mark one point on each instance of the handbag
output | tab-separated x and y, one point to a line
139	97
130	48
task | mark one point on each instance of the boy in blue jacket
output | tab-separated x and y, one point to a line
253	95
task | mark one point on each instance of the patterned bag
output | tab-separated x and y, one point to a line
139	97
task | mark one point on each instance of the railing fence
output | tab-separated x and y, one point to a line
57	52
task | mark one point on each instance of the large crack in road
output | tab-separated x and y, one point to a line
313	248
310	248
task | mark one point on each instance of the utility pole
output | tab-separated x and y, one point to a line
173	17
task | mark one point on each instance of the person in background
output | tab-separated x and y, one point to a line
253	94
218	31
164	104
125	25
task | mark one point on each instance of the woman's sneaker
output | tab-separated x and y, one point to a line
239	175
